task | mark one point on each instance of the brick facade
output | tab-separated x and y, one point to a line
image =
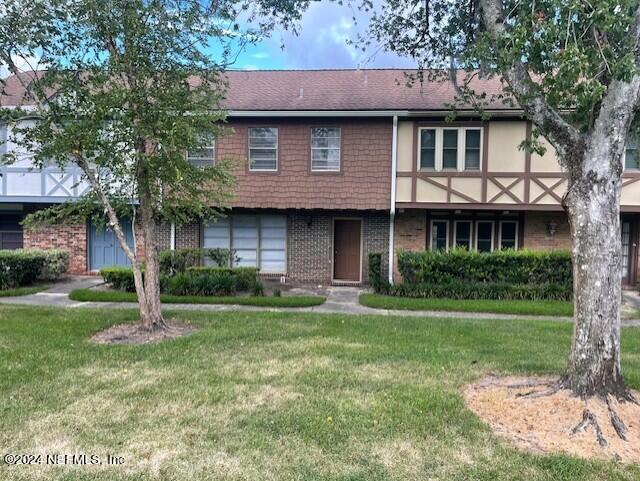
71	238
362	184
536	233
310	243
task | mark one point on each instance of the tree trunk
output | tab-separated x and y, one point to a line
593	207
153	317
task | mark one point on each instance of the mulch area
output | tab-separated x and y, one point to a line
135	334
551	423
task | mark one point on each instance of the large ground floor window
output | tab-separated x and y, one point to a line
257	240
480	233
11	236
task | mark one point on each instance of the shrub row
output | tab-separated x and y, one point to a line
196	281
501	267
179	260
483	290
24	266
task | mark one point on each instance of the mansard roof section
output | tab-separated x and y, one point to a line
349	90
359	90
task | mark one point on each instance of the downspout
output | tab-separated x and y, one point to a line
172	237
392	207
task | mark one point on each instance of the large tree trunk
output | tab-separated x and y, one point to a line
594	215
150	312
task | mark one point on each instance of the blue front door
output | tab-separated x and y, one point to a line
105	250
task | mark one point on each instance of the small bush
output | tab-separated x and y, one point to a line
20	267
119	278
377	281
220	283
244	277
277	292
56	264
257	289
180	260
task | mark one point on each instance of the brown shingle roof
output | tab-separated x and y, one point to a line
373	89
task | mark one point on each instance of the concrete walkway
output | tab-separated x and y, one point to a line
340	300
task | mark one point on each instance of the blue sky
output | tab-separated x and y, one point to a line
321	43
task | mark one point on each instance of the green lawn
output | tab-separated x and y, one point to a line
263	301
532	308
276	396
24	291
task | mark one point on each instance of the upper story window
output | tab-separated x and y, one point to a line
203	155
632	153
263	149
325	149
450	148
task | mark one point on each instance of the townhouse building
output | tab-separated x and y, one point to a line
335	164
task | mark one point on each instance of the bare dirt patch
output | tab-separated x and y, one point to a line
134	334
547	423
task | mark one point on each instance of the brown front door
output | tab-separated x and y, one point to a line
346	249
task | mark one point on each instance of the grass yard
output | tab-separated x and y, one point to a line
531	308
96	295
24	291
275	396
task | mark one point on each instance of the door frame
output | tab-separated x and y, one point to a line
333	250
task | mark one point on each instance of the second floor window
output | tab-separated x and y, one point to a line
445	148
325	149
263	149
204	155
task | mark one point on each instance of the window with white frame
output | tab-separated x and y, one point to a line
439	235
462	233
450	148
256	240
632	153
484	236
508	234
204	154
325	149
263	149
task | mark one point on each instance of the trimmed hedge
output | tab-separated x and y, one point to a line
244	278
502	267
196	281
119	278
22	267
484	290
56	264
179	260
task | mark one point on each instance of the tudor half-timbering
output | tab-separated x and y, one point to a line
469	183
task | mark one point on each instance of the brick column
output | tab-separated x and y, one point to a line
410	234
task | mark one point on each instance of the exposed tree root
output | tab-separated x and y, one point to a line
542	414
588	419
618	424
